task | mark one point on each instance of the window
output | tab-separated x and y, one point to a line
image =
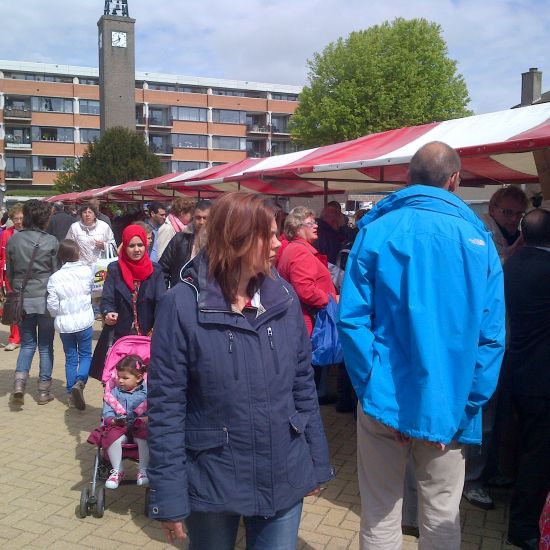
18	103
39	77
87	135
282	147
159	117
89	81
284	97
238	93
89	107
186	165
18	167
162	87
232	143
18	135
191	90
160	144
47	133
52	104
280	124
189	141
228	117
41	164
193	114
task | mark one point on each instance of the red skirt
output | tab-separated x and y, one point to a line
105	436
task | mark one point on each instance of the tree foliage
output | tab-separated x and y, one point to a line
120	155
388	76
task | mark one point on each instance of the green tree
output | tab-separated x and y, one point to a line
388	76
120	155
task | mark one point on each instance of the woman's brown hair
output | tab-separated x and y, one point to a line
68	251
237	222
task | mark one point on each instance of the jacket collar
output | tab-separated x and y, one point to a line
214	308
309	246
424	197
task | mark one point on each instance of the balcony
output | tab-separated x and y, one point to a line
161	149
161	122
18	175
17	143
280	130
257	129
18	113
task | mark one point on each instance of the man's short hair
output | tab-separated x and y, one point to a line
203	204
535	227
154	207
511	192
58	206
433	164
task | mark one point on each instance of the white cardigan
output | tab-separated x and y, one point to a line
70	297
85	237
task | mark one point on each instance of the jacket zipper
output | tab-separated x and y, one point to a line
235	366
272	346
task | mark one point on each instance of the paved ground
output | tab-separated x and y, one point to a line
46	462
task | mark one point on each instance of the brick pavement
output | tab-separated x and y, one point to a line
46	461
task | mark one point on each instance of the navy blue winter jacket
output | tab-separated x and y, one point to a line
234	424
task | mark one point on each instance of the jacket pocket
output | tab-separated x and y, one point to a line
299	464
210	465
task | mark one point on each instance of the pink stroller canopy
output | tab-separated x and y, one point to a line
127	345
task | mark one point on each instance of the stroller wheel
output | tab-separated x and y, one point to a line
99	507
146	510
84	496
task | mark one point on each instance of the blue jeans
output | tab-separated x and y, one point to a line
219	531
36	330
78	355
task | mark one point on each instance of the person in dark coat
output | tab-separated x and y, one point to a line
60	222
132	280
527	373
234	425
184	245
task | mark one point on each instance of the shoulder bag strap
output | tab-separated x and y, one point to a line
29	268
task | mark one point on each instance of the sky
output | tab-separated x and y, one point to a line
493	41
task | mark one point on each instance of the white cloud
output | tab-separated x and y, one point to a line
493	41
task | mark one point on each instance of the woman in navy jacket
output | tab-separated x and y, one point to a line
132	280
234	424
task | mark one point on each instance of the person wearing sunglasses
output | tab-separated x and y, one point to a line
506	209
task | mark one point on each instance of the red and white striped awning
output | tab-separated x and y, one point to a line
495	148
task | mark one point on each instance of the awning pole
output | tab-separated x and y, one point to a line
325	196
542	162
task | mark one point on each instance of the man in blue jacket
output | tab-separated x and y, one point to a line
422	327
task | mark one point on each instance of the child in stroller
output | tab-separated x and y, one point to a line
123	417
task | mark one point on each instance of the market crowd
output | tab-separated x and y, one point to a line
443	319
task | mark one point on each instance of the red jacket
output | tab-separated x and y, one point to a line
306	270
6	235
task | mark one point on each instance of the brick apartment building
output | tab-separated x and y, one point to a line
49	113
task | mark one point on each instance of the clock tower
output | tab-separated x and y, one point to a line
116	66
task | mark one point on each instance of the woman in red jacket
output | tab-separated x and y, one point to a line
305	268
16	216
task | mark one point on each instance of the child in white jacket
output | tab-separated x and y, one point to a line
69	301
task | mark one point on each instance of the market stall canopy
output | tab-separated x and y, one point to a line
495	148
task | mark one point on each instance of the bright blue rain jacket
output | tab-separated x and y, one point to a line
421	315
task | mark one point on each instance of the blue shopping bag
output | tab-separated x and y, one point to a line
325	342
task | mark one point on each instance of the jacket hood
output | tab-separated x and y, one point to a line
273	289
424	197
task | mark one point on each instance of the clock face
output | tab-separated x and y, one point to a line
118	39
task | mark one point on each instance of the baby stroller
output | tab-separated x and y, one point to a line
92	499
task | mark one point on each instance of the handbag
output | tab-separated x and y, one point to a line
108	255
325	342
12	314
